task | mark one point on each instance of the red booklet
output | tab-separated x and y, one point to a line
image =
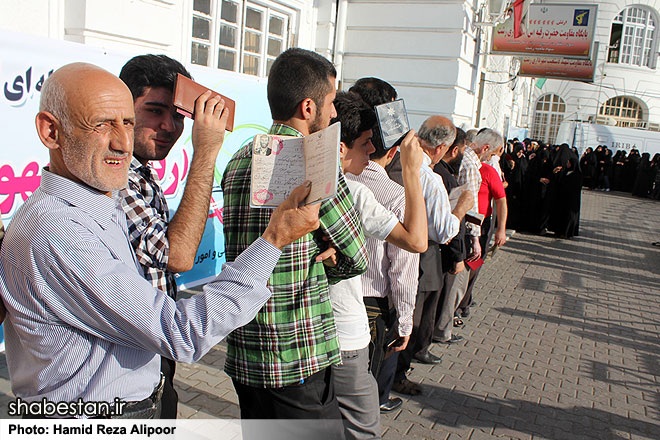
474	265
186	93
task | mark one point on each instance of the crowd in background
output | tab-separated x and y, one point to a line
544	188
627	172
545	182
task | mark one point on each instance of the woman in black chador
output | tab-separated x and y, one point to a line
604	168
630	170
515	172
588	167
656	180
644	178
618	164
565	218
535	192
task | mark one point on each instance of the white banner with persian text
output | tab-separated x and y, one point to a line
25	62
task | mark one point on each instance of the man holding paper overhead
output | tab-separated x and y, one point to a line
163	245
280	362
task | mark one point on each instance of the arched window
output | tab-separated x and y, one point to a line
625	111
548	115
633	38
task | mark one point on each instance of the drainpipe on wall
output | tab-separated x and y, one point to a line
340	37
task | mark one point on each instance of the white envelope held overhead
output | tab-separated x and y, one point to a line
281	163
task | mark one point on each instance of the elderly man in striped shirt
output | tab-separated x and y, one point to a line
83	325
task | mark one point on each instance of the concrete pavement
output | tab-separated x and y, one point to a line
564	343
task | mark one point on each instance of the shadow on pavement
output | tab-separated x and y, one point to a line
456	411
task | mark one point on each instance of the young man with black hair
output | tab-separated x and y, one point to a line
165	246
280	362
357	391
391	277
374	91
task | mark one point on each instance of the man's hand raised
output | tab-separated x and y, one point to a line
290	221
208	131
412	155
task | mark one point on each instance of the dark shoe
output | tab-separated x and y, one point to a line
465	313
454	339
391	405
407	387
458	322
427	358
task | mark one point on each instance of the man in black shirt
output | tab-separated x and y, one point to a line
454	252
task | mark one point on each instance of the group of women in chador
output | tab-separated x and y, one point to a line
545	182
633	173
544	188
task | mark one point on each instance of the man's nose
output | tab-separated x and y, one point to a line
167	123
122	141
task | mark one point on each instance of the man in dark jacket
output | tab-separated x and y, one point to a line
454	252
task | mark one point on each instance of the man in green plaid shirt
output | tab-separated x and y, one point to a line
280	361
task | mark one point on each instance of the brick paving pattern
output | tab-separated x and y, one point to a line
562	345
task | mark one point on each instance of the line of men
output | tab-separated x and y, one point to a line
324	306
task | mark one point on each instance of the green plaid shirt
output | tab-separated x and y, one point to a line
294	334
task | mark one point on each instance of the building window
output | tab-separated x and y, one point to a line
625	111
241	36
548	115
633	38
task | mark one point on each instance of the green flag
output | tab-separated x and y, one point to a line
541	82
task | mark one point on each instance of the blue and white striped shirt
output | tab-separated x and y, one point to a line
83	322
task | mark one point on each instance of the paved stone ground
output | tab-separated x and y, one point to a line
563	344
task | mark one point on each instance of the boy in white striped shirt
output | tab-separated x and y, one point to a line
356	389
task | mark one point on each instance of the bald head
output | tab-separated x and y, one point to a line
437	134
86	119
71	84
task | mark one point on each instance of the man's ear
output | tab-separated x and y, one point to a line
392	151
343	149
437	150
307	109
49	130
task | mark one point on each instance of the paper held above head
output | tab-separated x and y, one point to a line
186	92
281	163
393	122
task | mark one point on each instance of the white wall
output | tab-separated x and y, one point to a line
426	50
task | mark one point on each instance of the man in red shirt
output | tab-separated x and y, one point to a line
486	143
492	188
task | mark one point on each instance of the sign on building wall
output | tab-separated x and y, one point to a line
551	30
26	62
559	67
